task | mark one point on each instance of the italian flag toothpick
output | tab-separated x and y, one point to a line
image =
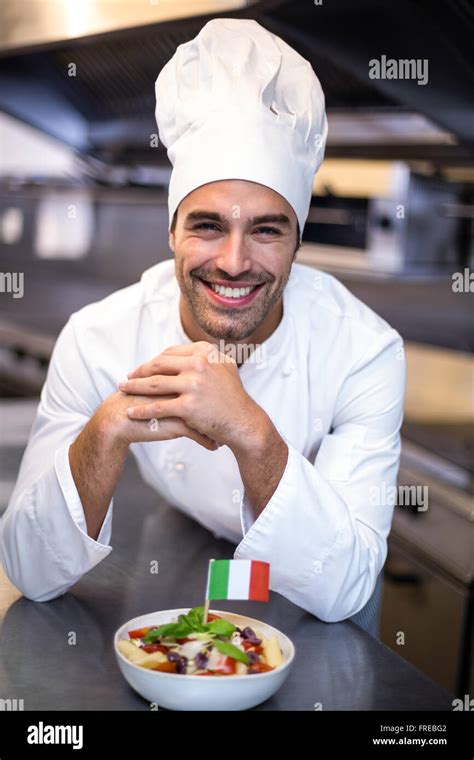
237	579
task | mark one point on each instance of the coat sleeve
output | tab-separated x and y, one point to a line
44	546
324	530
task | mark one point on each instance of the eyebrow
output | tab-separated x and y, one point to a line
199	215
275	218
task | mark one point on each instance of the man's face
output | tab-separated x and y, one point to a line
237	235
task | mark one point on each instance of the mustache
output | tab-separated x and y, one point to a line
219	274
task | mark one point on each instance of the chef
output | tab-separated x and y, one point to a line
287	455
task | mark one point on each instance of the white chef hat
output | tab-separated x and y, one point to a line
237	102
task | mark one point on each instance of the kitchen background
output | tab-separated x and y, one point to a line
83	184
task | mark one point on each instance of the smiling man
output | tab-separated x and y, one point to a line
224	265
289	452
231	273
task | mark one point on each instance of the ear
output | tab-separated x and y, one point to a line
171	241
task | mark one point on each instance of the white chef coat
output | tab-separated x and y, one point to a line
333	384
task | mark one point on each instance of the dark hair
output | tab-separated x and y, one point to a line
173	222
298	243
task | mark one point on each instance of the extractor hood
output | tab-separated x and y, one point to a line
84	72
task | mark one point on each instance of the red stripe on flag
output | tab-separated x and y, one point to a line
259	581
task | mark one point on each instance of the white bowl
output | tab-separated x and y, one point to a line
188	692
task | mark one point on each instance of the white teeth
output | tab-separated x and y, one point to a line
232	292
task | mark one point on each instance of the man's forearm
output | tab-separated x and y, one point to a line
262	457
96	461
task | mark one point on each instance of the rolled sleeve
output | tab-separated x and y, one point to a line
283	534
323	531
44	544
44	550
73	502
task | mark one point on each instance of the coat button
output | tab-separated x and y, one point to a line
179	466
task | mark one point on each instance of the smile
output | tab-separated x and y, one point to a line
234	296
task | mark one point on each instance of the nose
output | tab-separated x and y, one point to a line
233	255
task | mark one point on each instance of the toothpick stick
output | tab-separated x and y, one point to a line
206	600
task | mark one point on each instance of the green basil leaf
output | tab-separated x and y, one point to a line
151	636
183	622
231	651
195	617
193	620
190	623
221	627
170	630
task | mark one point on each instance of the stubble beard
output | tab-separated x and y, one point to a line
221	323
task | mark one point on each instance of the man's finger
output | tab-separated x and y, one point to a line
155	385
157	409
166	358
168	429
163	364
208	443
189	349
180	430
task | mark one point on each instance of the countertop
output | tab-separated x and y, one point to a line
59	655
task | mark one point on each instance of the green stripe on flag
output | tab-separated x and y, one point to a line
218	579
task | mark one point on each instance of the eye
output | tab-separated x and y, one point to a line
205	226
266	230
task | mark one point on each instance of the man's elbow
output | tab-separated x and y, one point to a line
335	612
37	595
346	604
29	587
26	579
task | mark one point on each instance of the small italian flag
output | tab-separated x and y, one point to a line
238	579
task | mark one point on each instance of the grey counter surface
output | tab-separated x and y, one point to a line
59	655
